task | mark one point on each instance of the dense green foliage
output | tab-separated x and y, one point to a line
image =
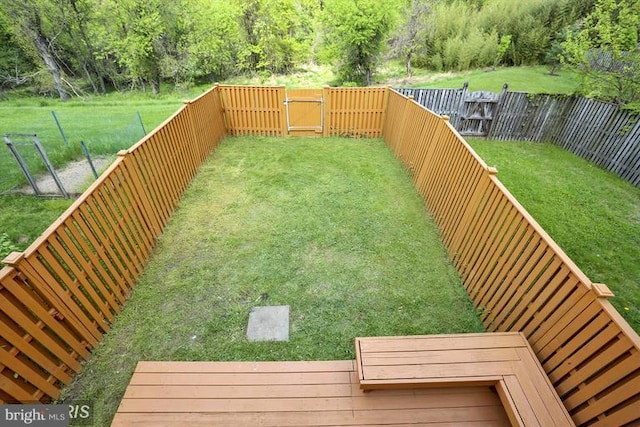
66	47
606	52
356	31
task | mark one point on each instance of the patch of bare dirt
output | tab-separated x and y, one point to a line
75	177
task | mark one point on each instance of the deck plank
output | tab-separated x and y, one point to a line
292	394
502	360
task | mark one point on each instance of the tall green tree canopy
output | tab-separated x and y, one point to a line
15	65
66	47
355	34
606	51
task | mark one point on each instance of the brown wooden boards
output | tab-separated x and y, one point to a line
324	393
518	278
503	360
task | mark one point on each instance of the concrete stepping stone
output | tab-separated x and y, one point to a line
269	323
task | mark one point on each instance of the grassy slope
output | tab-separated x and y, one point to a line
525	79
528	79
331	227
106	124
591	213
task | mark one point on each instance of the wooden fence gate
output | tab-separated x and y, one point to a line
304	112
477	111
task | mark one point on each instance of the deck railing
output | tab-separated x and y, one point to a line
59	297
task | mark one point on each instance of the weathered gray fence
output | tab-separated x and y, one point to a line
597	131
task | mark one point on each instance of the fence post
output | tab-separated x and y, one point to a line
189	110
461	106
385	103
498	109
282	94
64	137
326	98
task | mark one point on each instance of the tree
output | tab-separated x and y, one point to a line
31	26
137	34
502	49
212	38
14	63
355	32
78	15
277	34
605	51
411	33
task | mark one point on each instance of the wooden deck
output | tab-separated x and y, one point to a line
292	394
502	360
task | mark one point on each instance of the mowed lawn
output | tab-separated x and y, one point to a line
331	227
591	213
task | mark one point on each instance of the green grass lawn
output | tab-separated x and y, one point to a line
106	124
332	227
592	214
535	79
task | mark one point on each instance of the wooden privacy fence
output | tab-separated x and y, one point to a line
602	133
251	110
597	131
516	275
58	298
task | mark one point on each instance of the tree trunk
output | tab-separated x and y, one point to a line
155	86
27	18
408	65
52	65
90	62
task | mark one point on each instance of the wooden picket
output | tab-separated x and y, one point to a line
516	275
61	295
445	101
354	111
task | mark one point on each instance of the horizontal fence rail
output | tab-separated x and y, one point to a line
516	275
602	133
59	297
252	110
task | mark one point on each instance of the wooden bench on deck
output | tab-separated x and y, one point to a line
502	360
